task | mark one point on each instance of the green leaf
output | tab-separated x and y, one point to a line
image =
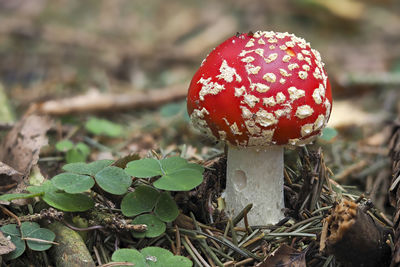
155	227
159	257
42	234
150	256
182	180
20	248
30	230
144	168
176	173
88	169
10	229
328	134
98	165
83	148
9	197
156	256
129	255
68	202
143	199
173	164
72	183
103	127
179	175
77	167
178	261
28	227
15	236
113	180
46	187
166	208
195	166
64	145
75	155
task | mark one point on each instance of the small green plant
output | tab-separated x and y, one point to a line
176	174
159	207
73	152
29	234
150	204
66	191
104	127
150	256
62	200
81	177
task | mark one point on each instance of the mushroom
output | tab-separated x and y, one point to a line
258	93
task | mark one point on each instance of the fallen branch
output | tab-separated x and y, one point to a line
94	101
71	251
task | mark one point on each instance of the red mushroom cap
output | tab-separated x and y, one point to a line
261	89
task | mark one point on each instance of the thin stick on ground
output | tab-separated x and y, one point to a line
94	101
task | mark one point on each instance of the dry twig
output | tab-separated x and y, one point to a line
94	101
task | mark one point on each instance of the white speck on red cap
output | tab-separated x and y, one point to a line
269	77
228	73
269	101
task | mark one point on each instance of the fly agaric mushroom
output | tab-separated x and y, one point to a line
260	92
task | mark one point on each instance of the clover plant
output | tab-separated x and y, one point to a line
150	256
159	208
73	152
176	174
34	235
103	127
149	204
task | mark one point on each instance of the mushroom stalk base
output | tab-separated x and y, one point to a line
255	176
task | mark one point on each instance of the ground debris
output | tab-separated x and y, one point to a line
285	256
20	149
394	146
50	214
6	246
71	251
310	193
355	237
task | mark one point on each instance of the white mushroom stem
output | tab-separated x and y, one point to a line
255	176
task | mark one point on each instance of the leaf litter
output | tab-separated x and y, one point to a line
20	149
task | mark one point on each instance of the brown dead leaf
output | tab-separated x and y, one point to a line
8	177
21	146
6	246
285	256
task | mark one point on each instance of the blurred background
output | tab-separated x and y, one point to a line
53	49
59	49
